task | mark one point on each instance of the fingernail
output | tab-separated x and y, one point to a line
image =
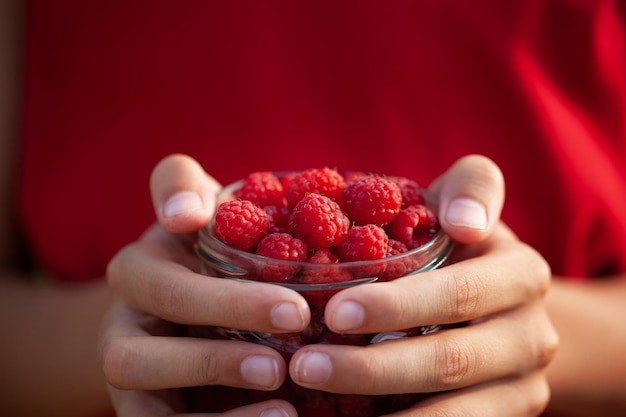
274	412
182	202
313	368
466	212
261	371
348	315
287	316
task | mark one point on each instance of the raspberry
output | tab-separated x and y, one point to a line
364	243
320	274
410	190
263	189
281	246
279	217
240	224
414	226
397	267
324	181
395	247
371	200
323	256
319	221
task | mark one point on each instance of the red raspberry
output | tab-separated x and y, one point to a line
410	190
396	267
279	217
414	226
323	256
318	298
319	221
371	200
324	181
395	247
318	274
240	224
281	246
364	243
263	189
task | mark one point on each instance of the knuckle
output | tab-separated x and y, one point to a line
467	296
539	399
169	299
540	269
453	364
206	370
548	347
376	376
115	267
118	363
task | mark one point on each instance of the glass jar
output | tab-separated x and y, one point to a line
221	260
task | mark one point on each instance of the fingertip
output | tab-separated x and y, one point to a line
182	203
186	211
465	220
471	197
183	194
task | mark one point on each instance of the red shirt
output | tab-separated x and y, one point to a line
399	87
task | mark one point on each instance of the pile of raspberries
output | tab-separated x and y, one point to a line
321	216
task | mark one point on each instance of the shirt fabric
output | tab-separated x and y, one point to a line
400	88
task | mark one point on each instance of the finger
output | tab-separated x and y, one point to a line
147	276
494	348
150	363
515	397
471	196
183	194
512	274
160	403
134	359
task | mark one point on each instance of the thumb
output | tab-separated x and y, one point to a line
471	197
183	194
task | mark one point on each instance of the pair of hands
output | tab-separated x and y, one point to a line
495	366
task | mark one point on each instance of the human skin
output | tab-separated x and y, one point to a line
500	355
50	368
46	347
